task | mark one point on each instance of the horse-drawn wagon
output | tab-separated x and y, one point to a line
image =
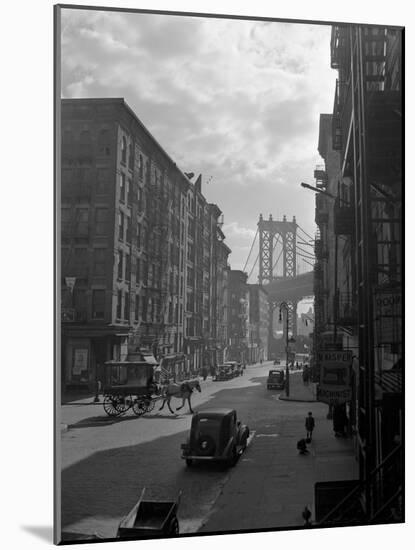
129	385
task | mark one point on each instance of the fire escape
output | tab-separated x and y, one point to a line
367	129
76	157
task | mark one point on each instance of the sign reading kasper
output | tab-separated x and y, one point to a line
334	386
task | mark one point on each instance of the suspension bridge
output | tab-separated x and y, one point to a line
283	247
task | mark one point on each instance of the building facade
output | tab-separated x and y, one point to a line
258	324
358	278
238	327
137	246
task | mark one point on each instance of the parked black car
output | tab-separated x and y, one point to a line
276	380
215	435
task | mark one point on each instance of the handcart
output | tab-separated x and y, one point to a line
151	518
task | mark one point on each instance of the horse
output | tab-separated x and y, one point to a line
181	391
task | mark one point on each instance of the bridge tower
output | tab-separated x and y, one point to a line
270	231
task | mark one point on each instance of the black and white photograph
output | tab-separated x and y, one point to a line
229	266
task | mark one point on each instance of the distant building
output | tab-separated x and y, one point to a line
238	319
259	324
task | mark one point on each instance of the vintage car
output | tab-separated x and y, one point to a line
223	372
235	368
276	380
215	435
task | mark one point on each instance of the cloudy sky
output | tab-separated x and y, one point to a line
237	101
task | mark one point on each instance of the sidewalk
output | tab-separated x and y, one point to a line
298	390
272	482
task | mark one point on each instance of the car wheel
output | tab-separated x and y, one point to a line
189	462
234	458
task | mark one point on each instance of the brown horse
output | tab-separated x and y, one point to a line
182	391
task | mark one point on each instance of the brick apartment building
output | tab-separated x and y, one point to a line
139	249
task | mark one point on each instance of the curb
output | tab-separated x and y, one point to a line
298	400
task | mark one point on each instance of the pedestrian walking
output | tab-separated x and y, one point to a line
309	425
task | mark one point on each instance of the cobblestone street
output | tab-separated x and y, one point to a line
107	462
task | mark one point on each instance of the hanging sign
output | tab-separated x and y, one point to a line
334	386
388	316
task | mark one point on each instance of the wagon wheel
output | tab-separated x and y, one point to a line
150	403
122	403
110	405
139	407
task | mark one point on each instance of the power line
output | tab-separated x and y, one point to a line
252	246
311	256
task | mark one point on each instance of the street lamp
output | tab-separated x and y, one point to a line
284	306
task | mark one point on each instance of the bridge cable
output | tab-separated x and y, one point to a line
305	252
307	262
252	246
305	258
309	236
253	267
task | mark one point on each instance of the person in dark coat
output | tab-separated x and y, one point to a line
302	446
309	425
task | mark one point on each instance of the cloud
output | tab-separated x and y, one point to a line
233	99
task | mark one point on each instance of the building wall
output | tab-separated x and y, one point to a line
238	319
137	242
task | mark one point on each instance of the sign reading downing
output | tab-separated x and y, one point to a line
334	386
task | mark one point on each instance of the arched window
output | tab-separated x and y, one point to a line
131	156
123	150
140	167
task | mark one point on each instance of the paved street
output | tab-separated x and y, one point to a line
107	462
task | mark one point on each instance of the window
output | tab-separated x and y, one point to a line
99	261
122	187
101	221
98	304
123	150
131	157
104	143
120	265
119	304
81	261
102	180
65	219
140	199
137	307
120	226
82	221
128	231
138	235
138	272
127	267
127	306
140	167
130	191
